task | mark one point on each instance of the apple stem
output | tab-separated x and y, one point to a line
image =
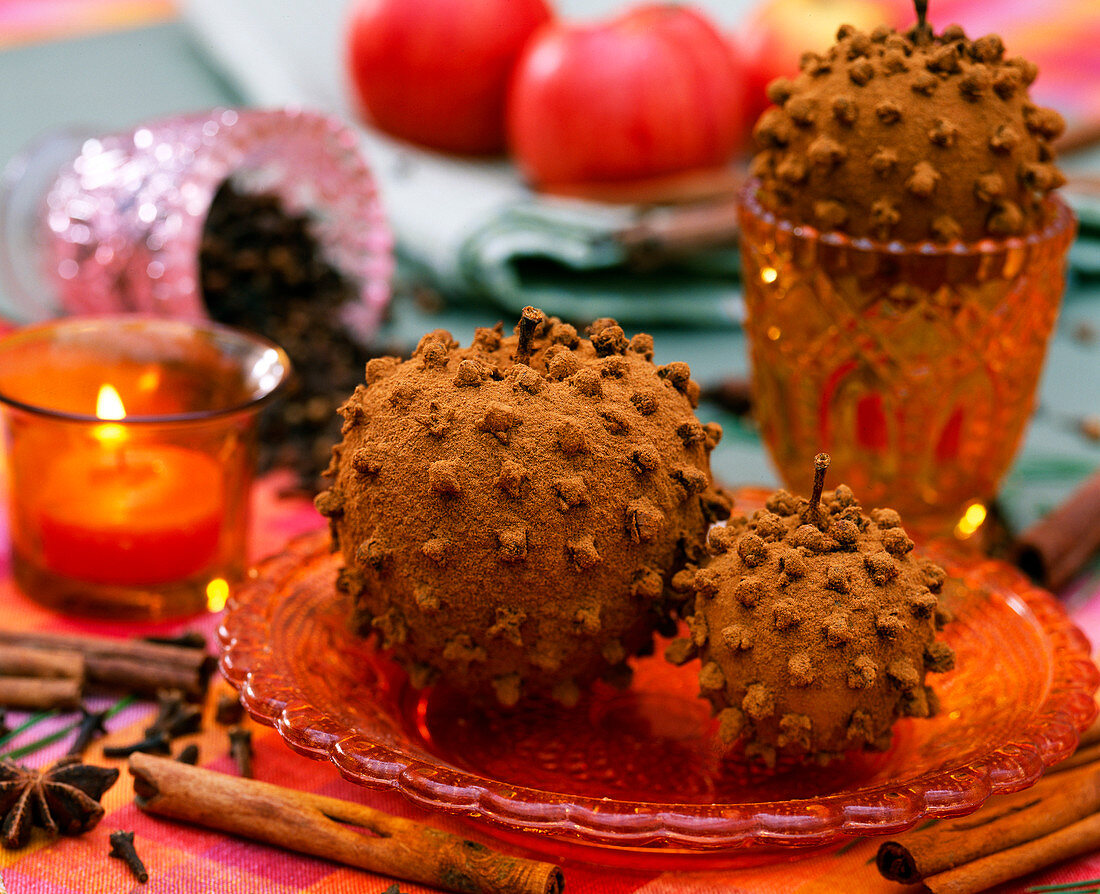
821	464
924	30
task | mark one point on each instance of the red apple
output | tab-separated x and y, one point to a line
436	72
778	32
653	95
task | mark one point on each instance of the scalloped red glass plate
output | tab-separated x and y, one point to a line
633	777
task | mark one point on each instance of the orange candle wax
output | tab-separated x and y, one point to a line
130	514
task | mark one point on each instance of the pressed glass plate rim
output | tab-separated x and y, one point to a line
1051	735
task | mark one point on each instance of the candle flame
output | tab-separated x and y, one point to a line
108	405
217	594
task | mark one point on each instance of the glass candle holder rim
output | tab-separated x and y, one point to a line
1060	219
218	330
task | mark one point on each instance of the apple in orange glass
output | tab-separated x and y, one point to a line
436	72
654	95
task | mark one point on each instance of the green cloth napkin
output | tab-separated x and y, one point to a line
568	259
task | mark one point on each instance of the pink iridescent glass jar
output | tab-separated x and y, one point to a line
914	365
109	224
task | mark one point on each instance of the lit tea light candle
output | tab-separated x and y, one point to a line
129	513
130	450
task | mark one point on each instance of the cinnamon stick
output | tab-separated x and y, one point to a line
20	661
664	234
733	394
1085	754
1049	807
40	693
1082	837
137	676
336	830
133	665
1078	138
1059	545
664	189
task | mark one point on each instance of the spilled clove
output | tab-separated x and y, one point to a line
184	722
240	749
157	743
122	848
189	754
169	703
263	268
229	711
734	395
192	639
174	718
91	727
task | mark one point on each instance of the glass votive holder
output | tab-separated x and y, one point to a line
913	365
131	448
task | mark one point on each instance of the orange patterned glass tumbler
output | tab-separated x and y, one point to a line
914	365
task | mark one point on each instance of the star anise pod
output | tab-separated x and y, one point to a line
62	799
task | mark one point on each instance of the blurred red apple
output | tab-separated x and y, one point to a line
436	72
774	37
653	96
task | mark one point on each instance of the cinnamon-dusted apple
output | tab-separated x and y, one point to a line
909	137
815	625
509	513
